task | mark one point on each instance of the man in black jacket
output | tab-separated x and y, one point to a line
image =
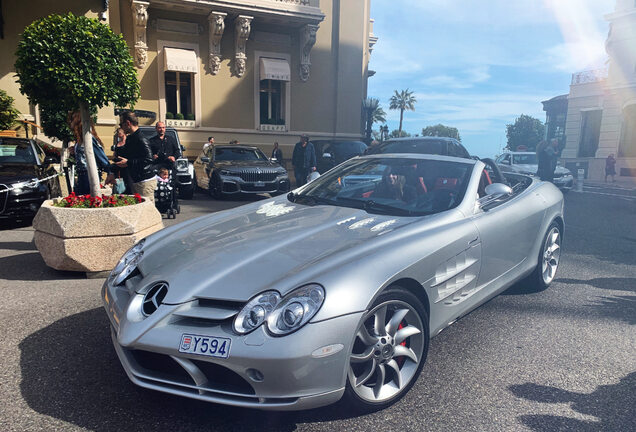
165	149
136	155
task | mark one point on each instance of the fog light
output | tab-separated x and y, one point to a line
255	375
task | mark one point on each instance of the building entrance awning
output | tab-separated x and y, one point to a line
180	60
275	69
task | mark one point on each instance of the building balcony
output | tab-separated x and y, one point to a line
286	13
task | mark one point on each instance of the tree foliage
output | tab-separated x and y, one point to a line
439	130
396	133
525	131
66	59
54	122
8	113
373	114
403	101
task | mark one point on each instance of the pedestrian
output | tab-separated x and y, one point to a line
208	144
541	159
82	185
552	151
277	154
304	160
165	150
610	168
119	177
137	157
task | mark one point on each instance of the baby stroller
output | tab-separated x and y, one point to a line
166	198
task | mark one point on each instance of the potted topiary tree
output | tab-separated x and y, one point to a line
8	114
66	63
75	62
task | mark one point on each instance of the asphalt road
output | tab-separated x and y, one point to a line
559	359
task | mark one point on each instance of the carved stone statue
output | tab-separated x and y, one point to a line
215	63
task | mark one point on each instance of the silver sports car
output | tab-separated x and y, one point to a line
333	290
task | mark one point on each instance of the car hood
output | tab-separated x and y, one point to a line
274	244
245	164
532	168
13	173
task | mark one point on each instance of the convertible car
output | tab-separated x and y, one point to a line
333	290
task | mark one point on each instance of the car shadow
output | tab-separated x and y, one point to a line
70	372
608	283
30	266
608	403
9	224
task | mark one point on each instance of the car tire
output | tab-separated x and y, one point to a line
389	350
214	188
549	257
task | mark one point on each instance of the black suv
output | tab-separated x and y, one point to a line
443	146
330	153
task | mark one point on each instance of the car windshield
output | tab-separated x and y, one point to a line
19	153
524	159
237	154
393	186
415	146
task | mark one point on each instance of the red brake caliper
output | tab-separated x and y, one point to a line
400	360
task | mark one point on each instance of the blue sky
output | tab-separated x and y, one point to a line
479	64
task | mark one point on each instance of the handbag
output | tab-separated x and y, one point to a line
120	186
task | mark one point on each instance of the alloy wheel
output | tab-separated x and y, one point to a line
388	349
551	255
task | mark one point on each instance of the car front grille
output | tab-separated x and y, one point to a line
163	369
257	175
4	197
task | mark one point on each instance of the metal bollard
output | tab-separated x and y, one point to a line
579	180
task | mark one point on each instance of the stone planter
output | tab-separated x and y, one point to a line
91	240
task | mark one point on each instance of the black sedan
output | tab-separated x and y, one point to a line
330	153
27	178
233	169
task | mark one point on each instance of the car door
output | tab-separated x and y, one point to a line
508	232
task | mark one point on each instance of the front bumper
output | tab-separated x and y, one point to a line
233	185
292	376
16	204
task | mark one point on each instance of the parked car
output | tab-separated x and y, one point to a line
330	153
232	169
422	145
184	169
527	163
27	178
332	290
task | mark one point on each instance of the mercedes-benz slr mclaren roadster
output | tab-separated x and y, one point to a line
333	290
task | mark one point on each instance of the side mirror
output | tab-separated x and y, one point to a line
205	159
498	189
505	162
50	160
273	160
326	155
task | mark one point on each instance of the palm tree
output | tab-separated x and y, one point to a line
374	113
403	101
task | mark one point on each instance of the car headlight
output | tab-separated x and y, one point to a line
296	309
255	312
283	316
226	173
126	264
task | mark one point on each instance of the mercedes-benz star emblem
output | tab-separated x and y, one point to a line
154	297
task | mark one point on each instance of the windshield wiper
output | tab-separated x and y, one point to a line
375	207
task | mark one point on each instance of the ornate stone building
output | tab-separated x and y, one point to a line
601	116
254	70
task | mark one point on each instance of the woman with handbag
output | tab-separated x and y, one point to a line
121	179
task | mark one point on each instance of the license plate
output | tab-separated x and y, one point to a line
259	184
205	345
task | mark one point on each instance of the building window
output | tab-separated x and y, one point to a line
590	132
272	102
179	94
